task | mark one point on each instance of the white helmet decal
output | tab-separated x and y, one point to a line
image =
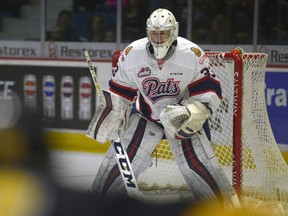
162	31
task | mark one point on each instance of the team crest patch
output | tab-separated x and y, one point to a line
144	71
128	49
196	51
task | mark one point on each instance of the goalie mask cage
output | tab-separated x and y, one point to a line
242	140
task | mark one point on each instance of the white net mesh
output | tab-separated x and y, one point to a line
263	173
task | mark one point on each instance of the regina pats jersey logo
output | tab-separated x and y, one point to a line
156	90
197	51
144	71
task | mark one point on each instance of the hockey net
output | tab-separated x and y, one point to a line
241	137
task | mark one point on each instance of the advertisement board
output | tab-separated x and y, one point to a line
56	94
276	92
63	95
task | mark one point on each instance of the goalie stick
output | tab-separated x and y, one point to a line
92	71
120	153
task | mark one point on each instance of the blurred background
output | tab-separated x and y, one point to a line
203	21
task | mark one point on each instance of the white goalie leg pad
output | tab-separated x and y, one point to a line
109	118
142	142
139	139
201	169
108	163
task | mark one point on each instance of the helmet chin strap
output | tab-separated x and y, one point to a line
169	53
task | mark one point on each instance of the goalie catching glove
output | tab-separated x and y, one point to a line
181	122
110	117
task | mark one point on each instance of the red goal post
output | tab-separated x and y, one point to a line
237	144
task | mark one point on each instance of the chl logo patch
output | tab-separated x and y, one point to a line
144	71
156	90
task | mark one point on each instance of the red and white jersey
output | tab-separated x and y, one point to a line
185	74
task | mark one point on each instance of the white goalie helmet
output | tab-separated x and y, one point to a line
162	31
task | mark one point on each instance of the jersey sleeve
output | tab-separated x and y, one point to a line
205	87
121	82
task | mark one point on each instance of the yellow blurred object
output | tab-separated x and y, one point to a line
213	209
13	145
21	193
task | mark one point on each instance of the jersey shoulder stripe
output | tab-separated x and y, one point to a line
205	84
123	91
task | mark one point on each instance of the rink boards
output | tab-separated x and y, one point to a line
62	94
